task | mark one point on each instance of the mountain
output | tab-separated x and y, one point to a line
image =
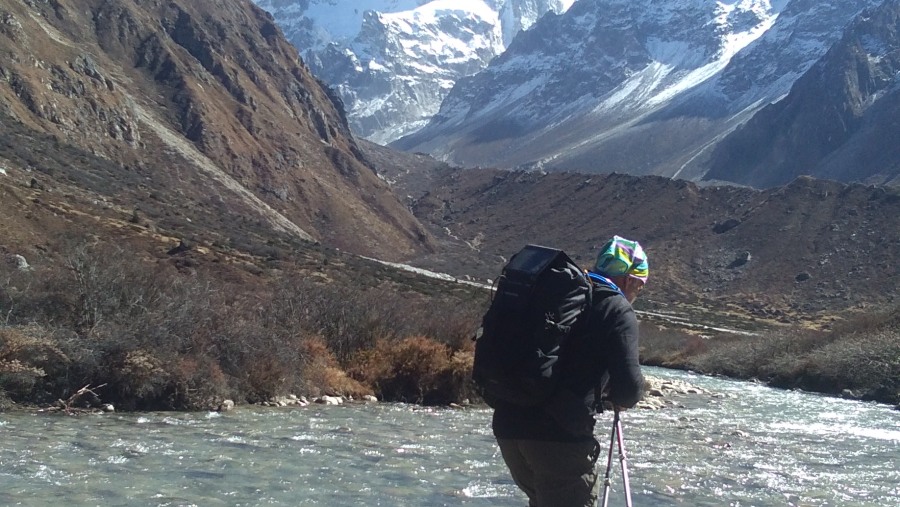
392	62
840	120
194	118
641	86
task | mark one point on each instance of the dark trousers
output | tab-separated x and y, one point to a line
554	474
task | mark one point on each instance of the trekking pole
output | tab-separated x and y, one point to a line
623	458
612	442
616	438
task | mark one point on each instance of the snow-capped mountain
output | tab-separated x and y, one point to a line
393	61
838	122
635	86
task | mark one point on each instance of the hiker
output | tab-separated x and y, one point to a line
551	450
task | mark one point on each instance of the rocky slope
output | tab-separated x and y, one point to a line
839	120
393	61
735	257
195	118
641	87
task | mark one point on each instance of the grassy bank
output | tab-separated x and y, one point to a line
859	358
148	336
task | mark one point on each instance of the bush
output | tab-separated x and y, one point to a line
199	383
25	359
861	354
414	370
323	375
867	362
664	346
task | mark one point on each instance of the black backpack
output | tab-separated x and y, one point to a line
540	298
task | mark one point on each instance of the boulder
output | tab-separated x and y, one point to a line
742	259
21	263
182	247
726	225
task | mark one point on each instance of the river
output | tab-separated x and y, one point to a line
748	445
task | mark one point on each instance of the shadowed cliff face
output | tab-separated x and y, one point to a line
196	109
839	120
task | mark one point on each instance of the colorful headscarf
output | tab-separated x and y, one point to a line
619	257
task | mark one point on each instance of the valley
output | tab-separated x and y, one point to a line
183	200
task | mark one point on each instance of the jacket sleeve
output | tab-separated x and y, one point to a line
626	382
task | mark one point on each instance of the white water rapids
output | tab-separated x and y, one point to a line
747	445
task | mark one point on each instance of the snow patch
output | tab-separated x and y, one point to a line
637	89
432	12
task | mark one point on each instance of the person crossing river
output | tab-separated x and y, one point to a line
550	449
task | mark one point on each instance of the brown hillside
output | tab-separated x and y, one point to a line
801	253
188	111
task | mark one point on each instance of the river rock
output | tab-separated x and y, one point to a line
226	406
658	393
330	400
847	394
370	399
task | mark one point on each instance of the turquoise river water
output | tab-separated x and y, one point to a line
746	446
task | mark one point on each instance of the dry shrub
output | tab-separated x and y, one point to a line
414	370
265	377
350	319
322	375
772	356
200	383
447	322
862	354
867	361
663	346
869	322
336	382
135	379
460	374
25	359
724	357
163	338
